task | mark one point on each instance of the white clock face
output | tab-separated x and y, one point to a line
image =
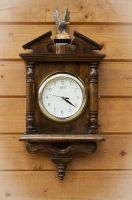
62	97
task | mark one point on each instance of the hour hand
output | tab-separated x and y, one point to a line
66	99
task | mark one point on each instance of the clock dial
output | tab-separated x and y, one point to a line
62	97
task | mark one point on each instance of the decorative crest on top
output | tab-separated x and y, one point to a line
62	24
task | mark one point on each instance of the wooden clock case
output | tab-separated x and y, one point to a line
81	58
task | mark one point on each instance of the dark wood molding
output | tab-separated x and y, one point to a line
91	43
30	44
30	76
30	122
88	58
30	98
93	115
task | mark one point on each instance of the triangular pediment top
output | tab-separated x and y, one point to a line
80	45
46	36
77	35
86	41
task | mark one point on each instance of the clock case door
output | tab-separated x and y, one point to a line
79	57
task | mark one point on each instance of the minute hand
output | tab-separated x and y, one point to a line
66	99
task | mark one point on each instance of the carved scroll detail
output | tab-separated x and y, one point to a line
30	73
61	157
93	99
93	74
30	122
93	122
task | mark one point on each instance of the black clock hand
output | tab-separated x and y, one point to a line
58	96
66	99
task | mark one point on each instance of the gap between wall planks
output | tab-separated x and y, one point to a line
114	115
81	10
116	149
114	79
117	79
117	40
87	185
23	22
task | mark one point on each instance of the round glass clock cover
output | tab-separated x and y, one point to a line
62	97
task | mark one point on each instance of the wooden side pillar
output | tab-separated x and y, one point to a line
30	111
93	99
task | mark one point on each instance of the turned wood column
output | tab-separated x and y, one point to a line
30	111
93	99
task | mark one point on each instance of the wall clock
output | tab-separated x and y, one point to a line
62	94
62	97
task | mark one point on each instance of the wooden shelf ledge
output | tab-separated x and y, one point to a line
61	138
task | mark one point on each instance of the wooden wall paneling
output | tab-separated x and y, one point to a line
115	185
114	115
29	10
107	174
84	11
12	112
81	10
113	154
12	78
117	40
114	78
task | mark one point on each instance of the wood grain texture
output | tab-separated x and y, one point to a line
114	78
12	112
43	124
107	174
115	185
81	10
117	40
114	115
115	153
12	78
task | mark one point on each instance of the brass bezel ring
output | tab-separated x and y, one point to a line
55	76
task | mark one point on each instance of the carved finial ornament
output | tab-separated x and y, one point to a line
62	24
